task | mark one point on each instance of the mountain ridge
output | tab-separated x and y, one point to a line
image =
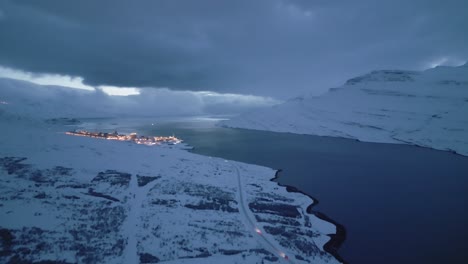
426	108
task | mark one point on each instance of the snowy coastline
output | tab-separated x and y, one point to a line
426	108
333	245
153	204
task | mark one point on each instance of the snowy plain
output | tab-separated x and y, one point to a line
72	199
428	108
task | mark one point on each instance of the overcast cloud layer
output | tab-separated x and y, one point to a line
278	48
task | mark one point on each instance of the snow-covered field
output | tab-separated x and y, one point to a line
428	108
70	199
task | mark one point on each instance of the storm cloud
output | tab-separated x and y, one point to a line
278	48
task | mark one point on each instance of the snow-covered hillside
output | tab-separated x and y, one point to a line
72	199
27	100
428	108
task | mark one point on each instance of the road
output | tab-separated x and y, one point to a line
253	225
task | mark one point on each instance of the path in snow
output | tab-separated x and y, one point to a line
270	246
136	196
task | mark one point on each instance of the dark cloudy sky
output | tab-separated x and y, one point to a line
278	48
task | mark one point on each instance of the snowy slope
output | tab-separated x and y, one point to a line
427	108
28	100
72	199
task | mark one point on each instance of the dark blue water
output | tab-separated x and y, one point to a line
398	203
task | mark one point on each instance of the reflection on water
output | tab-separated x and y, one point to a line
398	203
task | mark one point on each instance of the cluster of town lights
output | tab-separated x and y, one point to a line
150	141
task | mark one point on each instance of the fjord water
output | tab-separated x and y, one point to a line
398	203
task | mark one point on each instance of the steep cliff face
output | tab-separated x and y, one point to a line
428	108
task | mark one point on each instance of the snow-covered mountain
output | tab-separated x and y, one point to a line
29	100
68	199
428	108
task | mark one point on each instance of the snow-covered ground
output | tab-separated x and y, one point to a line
83	200
428	108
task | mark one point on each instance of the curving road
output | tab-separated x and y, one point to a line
253	226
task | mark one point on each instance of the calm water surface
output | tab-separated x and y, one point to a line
398	203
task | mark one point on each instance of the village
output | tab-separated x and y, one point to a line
150	141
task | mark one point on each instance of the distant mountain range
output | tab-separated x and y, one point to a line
428	108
